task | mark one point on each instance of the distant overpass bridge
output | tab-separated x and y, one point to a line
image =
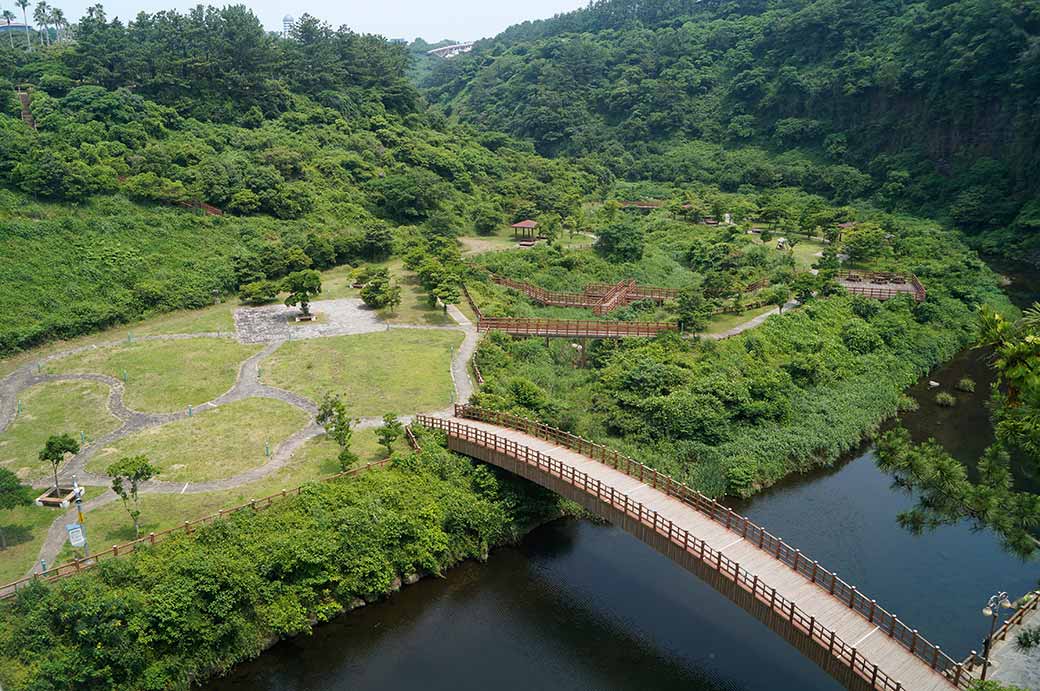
451	51
830	622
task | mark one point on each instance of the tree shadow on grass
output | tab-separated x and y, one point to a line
16	534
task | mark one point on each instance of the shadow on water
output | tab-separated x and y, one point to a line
576	606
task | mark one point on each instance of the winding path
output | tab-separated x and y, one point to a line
247	385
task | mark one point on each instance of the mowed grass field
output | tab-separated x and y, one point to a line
165	376
78	408
210	445
400	371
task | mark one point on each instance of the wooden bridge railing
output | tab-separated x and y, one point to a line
743	526
575	328
749	582
79	565
615	297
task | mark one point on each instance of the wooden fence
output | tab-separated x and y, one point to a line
882	285
1032	603
868	608
574	328
188	527
472	303
822	636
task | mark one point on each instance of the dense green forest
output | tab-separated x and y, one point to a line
317	149
926	106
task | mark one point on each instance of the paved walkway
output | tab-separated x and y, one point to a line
1017	667
748	325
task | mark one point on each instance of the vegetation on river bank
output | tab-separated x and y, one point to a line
193	606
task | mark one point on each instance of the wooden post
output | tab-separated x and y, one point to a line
913	642
815	567
935	656
812	625
797	558
873	608
873	677
834	581
830	646
957	675
852	597
852	660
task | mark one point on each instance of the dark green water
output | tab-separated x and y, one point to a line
585	606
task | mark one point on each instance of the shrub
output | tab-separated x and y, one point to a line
967	385
1028	639
259	292
945	399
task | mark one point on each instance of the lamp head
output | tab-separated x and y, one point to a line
987	611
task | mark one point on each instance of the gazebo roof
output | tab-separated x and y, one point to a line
526	224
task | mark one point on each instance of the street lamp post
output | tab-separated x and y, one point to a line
992	610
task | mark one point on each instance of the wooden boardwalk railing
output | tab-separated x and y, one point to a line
79	565
829	582
1032	603
574	328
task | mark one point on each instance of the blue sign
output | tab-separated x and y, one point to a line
77	534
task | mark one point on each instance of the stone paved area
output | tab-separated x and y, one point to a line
277	322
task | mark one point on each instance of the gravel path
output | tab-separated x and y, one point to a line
748	325
267	326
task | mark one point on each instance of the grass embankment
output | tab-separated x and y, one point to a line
78	408
395	371
165	376
212	444
176	613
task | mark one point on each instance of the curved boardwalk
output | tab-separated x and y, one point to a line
850	636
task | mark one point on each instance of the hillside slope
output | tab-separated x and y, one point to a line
930	106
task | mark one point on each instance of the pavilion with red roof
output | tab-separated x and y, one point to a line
526	228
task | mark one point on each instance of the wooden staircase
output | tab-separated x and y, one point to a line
27	118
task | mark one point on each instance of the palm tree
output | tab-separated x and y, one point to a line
40	16
58	19
9	17
24	4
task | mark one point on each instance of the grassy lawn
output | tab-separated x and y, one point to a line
54	408
725	322
214	444
166	376
804	252
393	371
216	318
109	525
25	528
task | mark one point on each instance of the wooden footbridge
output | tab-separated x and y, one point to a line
829	621
573	328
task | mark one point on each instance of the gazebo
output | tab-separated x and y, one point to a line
526	228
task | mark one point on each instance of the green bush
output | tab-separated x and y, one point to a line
259	292
1028	638
967	385
945	399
